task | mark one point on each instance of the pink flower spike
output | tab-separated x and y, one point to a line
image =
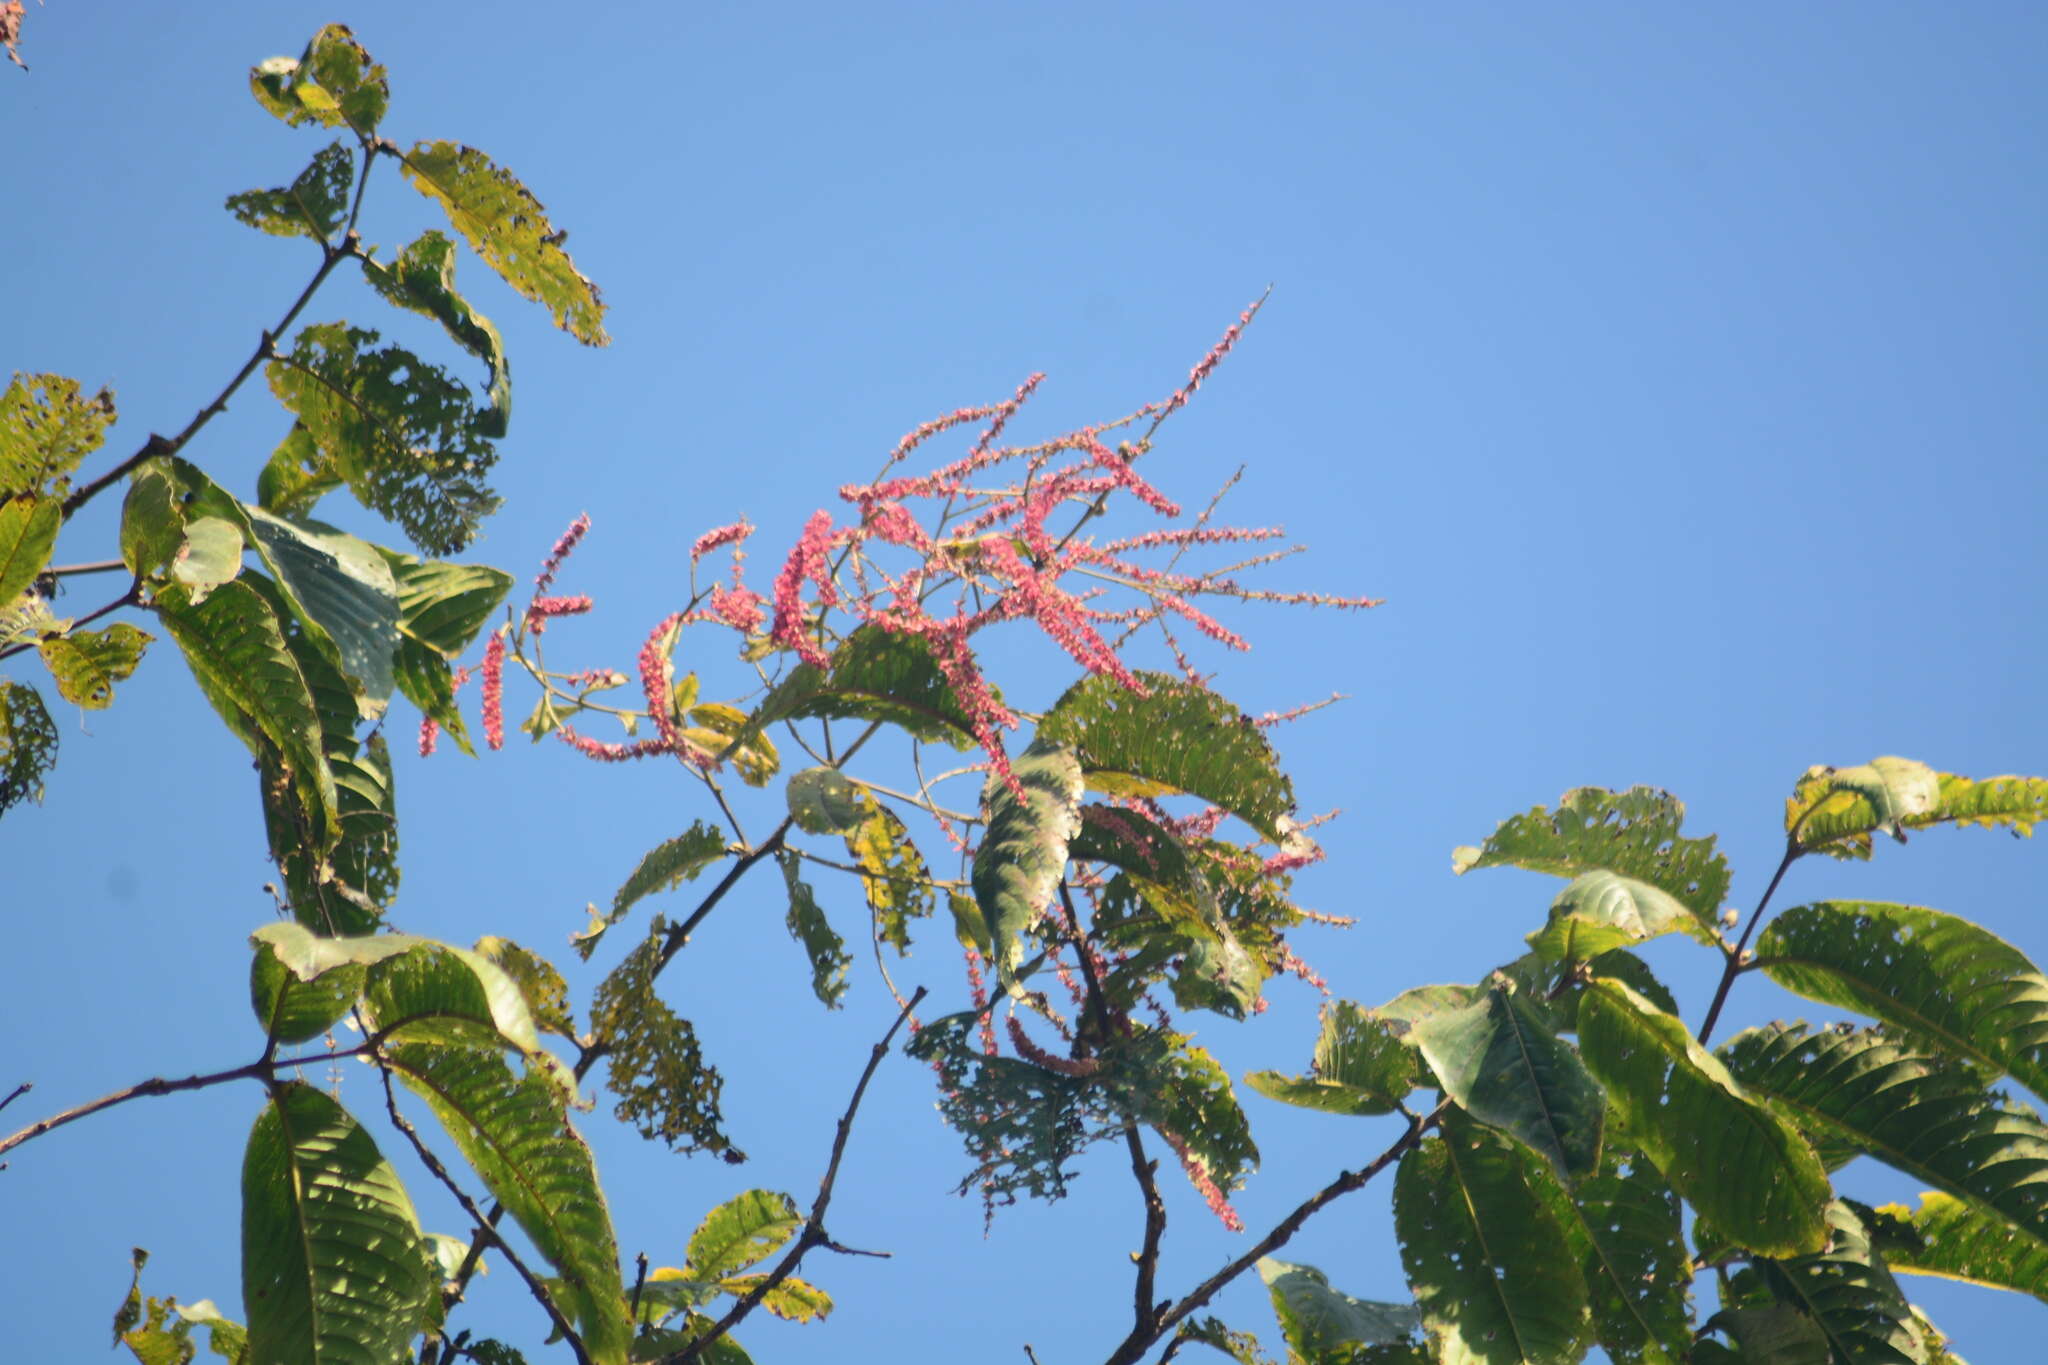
542	609
720	536
656	678
494	690
430	732
561	552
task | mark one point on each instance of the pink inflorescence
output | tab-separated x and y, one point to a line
1198	1172
493	672
543	609
562	549
720	536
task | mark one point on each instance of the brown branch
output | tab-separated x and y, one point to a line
17	1093
126	599
476	1214
1733	967
813	1231
1141	1340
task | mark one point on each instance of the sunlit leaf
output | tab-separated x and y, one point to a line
1361	1067
301	985
1933	976
345	585
85	664
1499	1062
1834	810
314	205
332	1262
809	927
873	675
333	83
1023	850
506	225
1601	910
28	745
893	873
792	1300
824	801
513	1132
28	531
665	867
47	428
224	1337
653	1062
1847	1291
1316	1318
1929	1118
1960	1240
1733	1159
1179	737
1241	1347
209	555
422	280
747	1228
1632	833
1492	1271
547	995
724	730
439	993
1623	1223
404	435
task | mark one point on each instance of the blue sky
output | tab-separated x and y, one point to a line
1672	372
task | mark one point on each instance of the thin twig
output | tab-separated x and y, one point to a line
1733	967
813	1231
433	1164
639	1283
1141	1341
96	566
126	599
17	1093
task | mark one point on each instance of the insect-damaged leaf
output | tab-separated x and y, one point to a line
809	927
1961	1240
1361	1067
1935	977
47	428
652	1059
1836	810
507	226
28	744
1178	737
314	205
1024	847
400	432
873	675
667	866
745	1229
333	83
1847	1291
333	1266
85	664
422	280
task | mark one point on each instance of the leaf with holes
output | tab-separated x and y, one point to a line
1930	1118
1632	833
547	995
1241	1347
28	744
1961	1240
1163	1079
894	877
653	1061
667	866
745	1229
873	675
719	729
1835	810
333	1267
809	927
1735	1161
1023	850
1847	1291
422	280
333	83
792	1300
47	428
1499	1062
1361	1066
1622	1222
1178	737
314	205
507	226
1316	1318
86	664
1935	977
402	433
1492	1271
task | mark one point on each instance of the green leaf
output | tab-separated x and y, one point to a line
667	866
86	664
1152	857
209	555
894	877
332	1262
1241	1347
333	83
28	532
809	927
1161	1078
1491	1269
1361	1067
1601	910
873	675
1938	978
745	1229
1501	1065
1928	1118
345	585
1834	810
514	1133
1316	1318
1847	1291
296	476
1623	1225
439	993
404	435
314	205
300	985
152	518
1023	850
2017	803
717	728
1960	1240
28	745
1734	1160
1633	833
1772	1334
793	1300
653	1062
547	995
422	280
47	428
224	1337
507	226
1179	737
824	801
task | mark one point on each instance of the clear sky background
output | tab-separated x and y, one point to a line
1672	371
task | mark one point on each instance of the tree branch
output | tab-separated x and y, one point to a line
813	1231
126	599
1733	967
